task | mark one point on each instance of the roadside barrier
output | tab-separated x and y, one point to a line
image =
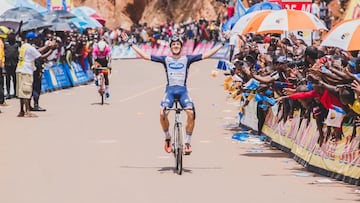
339	159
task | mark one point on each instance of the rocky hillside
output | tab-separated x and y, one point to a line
126	12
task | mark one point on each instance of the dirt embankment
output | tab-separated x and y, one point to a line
127	12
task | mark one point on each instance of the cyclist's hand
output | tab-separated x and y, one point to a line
124	36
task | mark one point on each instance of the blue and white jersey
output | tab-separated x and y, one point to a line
176	69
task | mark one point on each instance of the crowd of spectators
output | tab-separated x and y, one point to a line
322	82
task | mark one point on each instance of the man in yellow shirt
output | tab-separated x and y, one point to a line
3	35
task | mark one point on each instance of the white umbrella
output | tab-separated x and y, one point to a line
345	35
279	21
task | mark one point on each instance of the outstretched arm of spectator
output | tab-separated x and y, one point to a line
263	79
339	73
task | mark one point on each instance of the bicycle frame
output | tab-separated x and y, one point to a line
101	80
178	138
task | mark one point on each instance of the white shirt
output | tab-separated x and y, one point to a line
28	66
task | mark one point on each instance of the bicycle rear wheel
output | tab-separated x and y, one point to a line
178	149
102	98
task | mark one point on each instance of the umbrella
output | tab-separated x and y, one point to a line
84	23
20	14
101	20
240	25
84	9
35	24
344	35
5	5
62	25
31	4
263	6
279	21
14	25
59	14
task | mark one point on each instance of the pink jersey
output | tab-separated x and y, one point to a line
106	53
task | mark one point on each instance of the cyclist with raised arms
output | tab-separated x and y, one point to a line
176	69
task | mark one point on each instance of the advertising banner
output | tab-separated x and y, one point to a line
59	4
304	5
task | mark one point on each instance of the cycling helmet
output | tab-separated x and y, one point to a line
102	45
175	38
4	31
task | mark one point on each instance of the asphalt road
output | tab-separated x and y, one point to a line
81	152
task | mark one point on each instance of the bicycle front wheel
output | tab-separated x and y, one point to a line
178	148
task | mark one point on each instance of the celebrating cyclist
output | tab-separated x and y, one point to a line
102	58
176	69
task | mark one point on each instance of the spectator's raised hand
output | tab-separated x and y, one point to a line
356	87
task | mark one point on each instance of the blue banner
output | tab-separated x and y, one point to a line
61	78
46	84
223	53
80	74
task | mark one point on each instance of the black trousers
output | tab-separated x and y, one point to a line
37	87
261	115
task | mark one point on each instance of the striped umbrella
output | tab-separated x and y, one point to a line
279	21
345	35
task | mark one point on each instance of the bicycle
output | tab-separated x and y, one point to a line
101	82
178	137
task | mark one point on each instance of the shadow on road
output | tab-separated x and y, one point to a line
169	168
271	154
99	103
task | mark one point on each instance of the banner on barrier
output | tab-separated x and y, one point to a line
338	156
81	76
46	84
202	47
59	78
223	53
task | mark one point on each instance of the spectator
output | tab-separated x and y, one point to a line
3	35
11	60
25	69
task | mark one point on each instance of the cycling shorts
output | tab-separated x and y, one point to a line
177	92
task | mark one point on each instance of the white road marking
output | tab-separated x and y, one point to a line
205	141
142	93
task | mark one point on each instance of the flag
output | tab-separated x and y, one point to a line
239	11
48	5
64	4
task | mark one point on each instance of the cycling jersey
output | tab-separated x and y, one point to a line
102	57
176	75
176	69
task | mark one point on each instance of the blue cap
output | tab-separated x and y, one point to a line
31	35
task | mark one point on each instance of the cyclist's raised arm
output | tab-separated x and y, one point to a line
141	52
212	51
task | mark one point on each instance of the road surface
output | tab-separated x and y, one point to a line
81	152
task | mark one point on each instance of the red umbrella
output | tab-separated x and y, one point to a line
101	20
